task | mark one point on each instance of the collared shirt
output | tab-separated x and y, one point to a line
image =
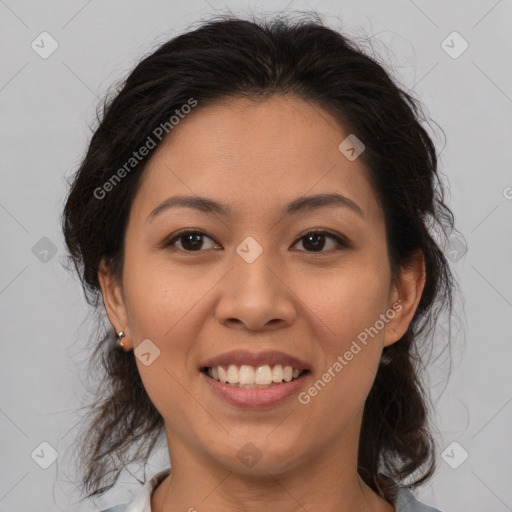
405	500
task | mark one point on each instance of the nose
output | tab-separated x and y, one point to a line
256	296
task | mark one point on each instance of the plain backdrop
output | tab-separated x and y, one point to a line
47	103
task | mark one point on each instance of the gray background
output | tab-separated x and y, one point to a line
46	107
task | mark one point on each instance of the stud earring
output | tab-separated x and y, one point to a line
120	336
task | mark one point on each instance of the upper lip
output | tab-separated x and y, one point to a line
269	357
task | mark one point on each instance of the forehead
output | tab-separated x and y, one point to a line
256	155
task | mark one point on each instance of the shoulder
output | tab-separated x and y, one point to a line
142	499
406	502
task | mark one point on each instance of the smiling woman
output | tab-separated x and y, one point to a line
268	268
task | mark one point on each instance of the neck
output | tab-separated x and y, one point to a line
196	483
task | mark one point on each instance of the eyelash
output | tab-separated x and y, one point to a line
341	242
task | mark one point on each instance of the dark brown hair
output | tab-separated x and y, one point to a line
230	57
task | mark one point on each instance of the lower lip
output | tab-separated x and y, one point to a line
255	397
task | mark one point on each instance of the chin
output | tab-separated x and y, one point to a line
258	457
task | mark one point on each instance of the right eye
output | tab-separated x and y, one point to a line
190	240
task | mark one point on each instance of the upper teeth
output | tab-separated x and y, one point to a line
246	375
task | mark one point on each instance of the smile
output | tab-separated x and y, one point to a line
247	376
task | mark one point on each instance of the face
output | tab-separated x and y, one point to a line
308	283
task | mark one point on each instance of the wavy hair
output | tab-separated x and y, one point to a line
231	57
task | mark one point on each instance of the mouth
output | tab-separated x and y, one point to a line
254	377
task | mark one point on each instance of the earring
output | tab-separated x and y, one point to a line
120	336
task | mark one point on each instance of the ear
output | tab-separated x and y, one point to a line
113	299
408	288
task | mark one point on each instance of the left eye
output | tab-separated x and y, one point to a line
314	240
191	241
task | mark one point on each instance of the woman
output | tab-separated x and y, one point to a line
254	212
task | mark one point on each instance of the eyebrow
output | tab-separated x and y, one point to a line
299	205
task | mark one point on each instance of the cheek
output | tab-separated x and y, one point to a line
157	297
348	305
160	308
345	302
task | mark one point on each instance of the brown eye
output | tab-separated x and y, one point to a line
191	241
314	241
